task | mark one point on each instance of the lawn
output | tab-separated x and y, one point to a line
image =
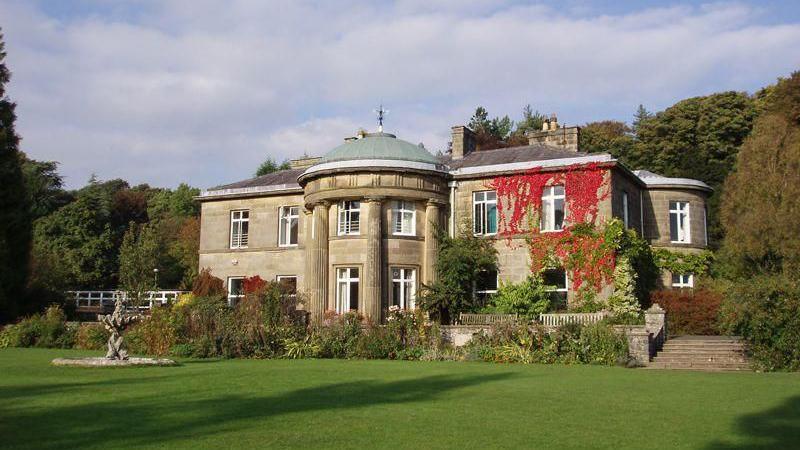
364	404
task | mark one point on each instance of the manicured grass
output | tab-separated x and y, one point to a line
367	404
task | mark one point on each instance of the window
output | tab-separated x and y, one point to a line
679	222
349	212
556	282
404	287
404	218
240	225
625	209
235	290
289	224
682	280
486	285
287	284
553	199
346	289
484	217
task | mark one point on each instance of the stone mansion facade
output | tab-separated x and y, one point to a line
356	228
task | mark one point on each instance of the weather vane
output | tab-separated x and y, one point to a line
381	113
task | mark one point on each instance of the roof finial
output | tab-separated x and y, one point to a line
381	113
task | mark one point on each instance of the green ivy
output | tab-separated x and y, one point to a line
695	263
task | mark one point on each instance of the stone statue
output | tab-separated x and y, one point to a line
116	323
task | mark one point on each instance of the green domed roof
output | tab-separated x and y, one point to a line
379	146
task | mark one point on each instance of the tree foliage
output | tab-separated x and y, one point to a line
15	229
608	136
44	187
459	263
761	201
269	166
138	257
174	203
500	132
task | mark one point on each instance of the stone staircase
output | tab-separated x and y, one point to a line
707	353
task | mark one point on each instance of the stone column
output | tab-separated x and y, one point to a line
317	262
432	215
371	306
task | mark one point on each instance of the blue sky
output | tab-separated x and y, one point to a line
202	91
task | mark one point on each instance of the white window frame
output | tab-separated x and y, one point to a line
406	283
400	210
347	225
231	296
239	238
549	196
481	201
625	212
685	280
285	226
345	280
280	278
566	281
684	232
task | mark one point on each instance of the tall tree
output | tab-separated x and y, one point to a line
697	138
138	259
269	166
44	186
608	136
15	226
641	115
761	201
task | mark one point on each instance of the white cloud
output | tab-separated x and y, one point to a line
201	92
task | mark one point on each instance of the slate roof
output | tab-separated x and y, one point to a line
286	178
526	153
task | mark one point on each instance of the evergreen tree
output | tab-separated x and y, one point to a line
761	201
623	302
640	116
15	225
270	166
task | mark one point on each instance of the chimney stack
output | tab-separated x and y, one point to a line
463	142
554	135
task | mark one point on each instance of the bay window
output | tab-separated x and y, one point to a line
679	222
346	289
403	218
349	217
404	289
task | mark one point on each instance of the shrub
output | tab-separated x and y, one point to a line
157	332
690	311
528	299
40	330
91	336
206	285
601	344
337	336
765	311
623	302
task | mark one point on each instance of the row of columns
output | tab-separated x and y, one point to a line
317	265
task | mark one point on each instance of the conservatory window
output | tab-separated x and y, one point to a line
346	289
404	287
403	218
289	224
679	222
682	280
349	215
553	200
484	217
240	226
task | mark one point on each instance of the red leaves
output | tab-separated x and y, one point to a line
584	255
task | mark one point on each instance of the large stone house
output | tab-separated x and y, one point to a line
355	229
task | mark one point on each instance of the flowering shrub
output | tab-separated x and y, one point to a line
690	311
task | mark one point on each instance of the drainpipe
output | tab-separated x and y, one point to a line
641	212
451	225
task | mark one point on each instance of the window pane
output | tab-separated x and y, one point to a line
491	218
491	195
236	286
408	222
354	295
293	230
487	281
477	218
478	196
673	226
245	214
559	214
396	293
395	274
354	272
547	215
558	190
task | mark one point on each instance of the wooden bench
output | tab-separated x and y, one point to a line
485	319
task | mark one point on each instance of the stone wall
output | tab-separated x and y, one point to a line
656	217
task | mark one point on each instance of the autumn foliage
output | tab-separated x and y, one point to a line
690	311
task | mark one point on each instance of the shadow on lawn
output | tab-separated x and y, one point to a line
160	418
778	427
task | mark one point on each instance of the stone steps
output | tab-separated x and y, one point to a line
707	353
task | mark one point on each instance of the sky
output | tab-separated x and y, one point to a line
197	91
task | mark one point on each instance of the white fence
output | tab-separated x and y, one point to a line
558	319
98	300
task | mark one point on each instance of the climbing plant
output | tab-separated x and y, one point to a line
694	263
